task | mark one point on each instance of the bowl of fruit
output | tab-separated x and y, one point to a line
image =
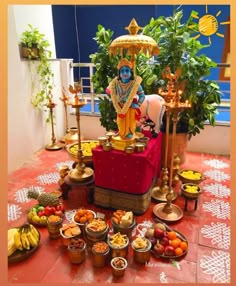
166	242
191	176
191	191
48	204
86	146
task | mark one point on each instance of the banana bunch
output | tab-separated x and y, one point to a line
11	243
22	238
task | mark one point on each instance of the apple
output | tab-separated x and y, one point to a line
159	249
158	233
164	241
169	250
59	213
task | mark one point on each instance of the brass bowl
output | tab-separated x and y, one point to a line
139	147
129	149
107	146
190	177
189	194
103	139
143	140
86	146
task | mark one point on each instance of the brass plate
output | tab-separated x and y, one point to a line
175	215
86	176
87	158
161	198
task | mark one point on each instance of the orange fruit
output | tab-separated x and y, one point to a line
178	239
175	242
183	245
178	251
172	235
83	219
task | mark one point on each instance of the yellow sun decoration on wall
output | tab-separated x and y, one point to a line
208	25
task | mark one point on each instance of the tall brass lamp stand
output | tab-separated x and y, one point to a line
53	146
80	174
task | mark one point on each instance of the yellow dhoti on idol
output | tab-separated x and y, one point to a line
122	96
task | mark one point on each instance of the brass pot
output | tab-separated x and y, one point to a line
102	140
129	149
139	147
143	140
107	146
72	136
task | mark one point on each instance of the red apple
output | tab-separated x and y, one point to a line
158	233
164	241
169	250
59	213
159	249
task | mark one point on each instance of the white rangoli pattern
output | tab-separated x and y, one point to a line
48	179
218	265
14	212
21	195
217	175
218	164
218	190
219	234
217	208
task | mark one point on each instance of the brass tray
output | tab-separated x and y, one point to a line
179	235
175	215
87	158
20	255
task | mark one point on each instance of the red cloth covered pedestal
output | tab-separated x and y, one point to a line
129	173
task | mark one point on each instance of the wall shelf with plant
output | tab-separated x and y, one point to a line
36	48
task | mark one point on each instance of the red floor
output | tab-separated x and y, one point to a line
207	229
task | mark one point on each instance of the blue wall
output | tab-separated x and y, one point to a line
68	19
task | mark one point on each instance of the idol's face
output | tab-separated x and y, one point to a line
125	73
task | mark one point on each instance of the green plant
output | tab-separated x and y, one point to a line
105	71
177	50
38	48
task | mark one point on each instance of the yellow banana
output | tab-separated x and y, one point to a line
24	239
33	242
34	232
17	240
11	243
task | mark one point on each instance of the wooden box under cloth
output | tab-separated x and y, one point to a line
125	180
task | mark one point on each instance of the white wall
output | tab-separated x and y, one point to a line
27	128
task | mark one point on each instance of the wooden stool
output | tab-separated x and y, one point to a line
68	184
